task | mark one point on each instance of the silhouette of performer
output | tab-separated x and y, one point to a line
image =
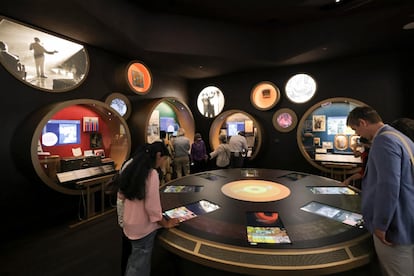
39	55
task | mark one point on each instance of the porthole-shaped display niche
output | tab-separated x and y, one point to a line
41	60
210	101
284	120
300	88
120	103
322	133
139	77
265	95
72	135
156	115
230	123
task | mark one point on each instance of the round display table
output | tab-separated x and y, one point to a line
318	231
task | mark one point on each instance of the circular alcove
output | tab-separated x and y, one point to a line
323	137
232	121
72	135
155	115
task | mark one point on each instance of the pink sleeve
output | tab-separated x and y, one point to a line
152	199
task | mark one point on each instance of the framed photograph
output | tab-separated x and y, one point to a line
316	141
90	124
341	142
318	123
265	95
95	140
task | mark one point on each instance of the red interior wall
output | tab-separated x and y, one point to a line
77	112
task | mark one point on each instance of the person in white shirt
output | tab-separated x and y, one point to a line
238	147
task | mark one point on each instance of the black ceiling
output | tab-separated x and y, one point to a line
198	39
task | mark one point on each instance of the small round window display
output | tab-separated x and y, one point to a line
210	101
265	95
139	78
120	103
300	88
284	120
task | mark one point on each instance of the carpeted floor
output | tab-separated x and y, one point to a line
94	249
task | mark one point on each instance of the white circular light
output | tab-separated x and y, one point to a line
300	88
49	139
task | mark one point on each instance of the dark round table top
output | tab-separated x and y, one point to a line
218	239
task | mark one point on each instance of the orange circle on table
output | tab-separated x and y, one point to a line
139	78
255	190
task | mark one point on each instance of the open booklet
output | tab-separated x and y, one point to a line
335	213
265	227
191	210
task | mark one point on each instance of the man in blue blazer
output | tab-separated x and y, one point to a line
387	191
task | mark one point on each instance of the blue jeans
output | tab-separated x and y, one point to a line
139	262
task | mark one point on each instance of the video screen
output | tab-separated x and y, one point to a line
332	190
335	213
182	189
168	124
191	210
265	227
233	128
61	132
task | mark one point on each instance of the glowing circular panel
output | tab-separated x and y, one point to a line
210	101
139	78
49	139
265	95
300	88
284	120
255	190
120	103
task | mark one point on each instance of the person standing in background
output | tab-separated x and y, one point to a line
198	154
139	205
222	153
238	146
39	56
181	146
387	191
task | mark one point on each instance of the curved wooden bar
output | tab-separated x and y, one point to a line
218	239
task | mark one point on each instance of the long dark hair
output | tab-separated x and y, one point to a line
135	172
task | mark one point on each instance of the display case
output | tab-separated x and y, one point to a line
230	123
265	95
65	151
324	138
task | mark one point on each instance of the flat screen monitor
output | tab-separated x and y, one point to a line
61	132
168	124
234	127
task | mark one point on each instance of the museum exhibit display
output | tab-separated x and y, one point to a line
138	77
265	95
163	114
120	103
41	60
210	101
300	88
325	140
284	120
230	123
266	222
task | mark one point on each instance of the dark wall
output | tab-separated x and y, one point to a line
376	80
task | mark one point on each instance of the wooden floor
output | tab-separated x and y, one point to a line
94	248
